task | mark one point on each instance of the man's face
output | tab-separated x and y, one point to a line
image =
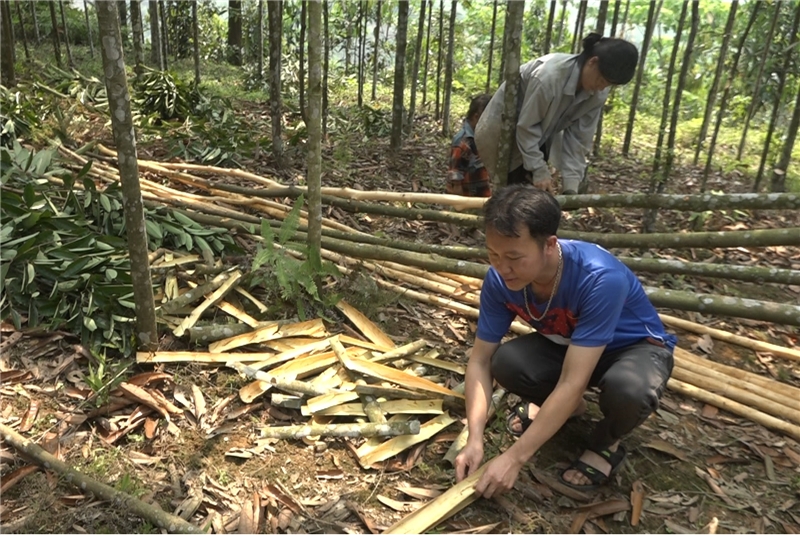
518	260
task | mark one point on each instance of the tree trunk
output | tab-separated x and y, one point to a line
235	32
302	54
725	306
35	18
779	170
260	39
123	20
427	56
561	19
513	40
70	61
761	65
22	29
723	103
782	74
314	150
576	36
600	28
327	47
7	73
376	48
88	27
56	42
615	18
122	501
652	17
399	76
759	275
501	75
138	36
548	37
662	129
196	43
491	47
275	14
415	67
362	49
439	59
448	71
122	125
163	25
625	17
712	93
155	36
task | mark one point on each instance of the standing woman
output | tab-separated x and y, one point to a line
561	97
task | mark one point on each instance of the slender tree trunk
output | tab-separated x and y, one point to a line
427	56
501	74
22	29
362	64
275	14
7	75
165	48
491	46
138	36
712	93
662	129
779	170
723	103
548	37
754	99
36	33
601	27
359	58
561	20
56	43
652	17
576	36
123	20
415	68
615	18
302	54
235	32
88	28
155	36
439	58
625	17
448	73
376	48
196	43
125	140
325	69
513	42
782	74
399	75
70	61
314	152
260	37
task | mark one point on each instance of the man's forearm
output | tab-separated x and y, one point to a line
478	391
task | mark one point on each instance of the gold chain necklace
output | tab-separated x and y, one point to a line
552	292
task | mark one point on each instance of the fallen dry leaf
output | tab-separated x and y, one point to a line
637	499
665	447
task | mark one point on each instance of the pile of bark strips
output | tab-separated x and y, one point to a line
361	386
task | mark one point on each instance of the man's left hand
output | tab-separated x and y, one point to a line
499	476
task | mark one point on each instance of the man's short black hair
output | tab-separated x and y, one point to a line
478	104
523	204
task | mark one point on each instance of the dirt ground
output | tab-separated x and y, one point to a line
701	469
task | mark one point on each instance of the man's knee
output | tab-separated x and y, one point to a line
629	401
506	366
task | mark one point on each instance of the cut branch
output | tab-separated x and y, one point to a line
389	429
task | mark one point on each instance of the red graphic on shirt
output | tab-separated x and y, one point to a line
559	321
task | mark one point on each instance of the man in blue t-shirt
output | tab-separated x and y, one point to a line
595	328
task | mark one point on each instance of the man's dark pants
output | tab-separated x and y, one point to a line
631	380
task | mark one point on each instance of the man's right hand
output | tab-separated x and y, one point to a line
546	185
469	459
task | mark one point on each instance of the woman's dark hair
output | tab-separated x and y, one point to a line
616	58
478	104
523	204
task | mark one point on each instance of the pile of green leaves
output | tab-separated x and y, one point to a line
18	116
164	95
297	280
64	261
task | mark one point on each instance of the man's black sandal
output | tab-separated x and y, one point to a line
520	410
598	478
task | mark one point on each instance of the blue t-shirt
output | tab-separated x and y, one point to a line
599	302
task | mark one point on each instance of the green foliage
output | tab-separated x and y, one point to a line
64	261
18	115
296	282
165	95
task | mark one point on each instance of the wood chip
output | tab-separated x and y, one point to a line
373	333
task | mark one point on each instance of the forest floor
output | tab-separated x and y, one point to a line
758	470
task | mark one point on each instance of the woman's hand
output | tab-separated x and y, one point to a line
546	185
